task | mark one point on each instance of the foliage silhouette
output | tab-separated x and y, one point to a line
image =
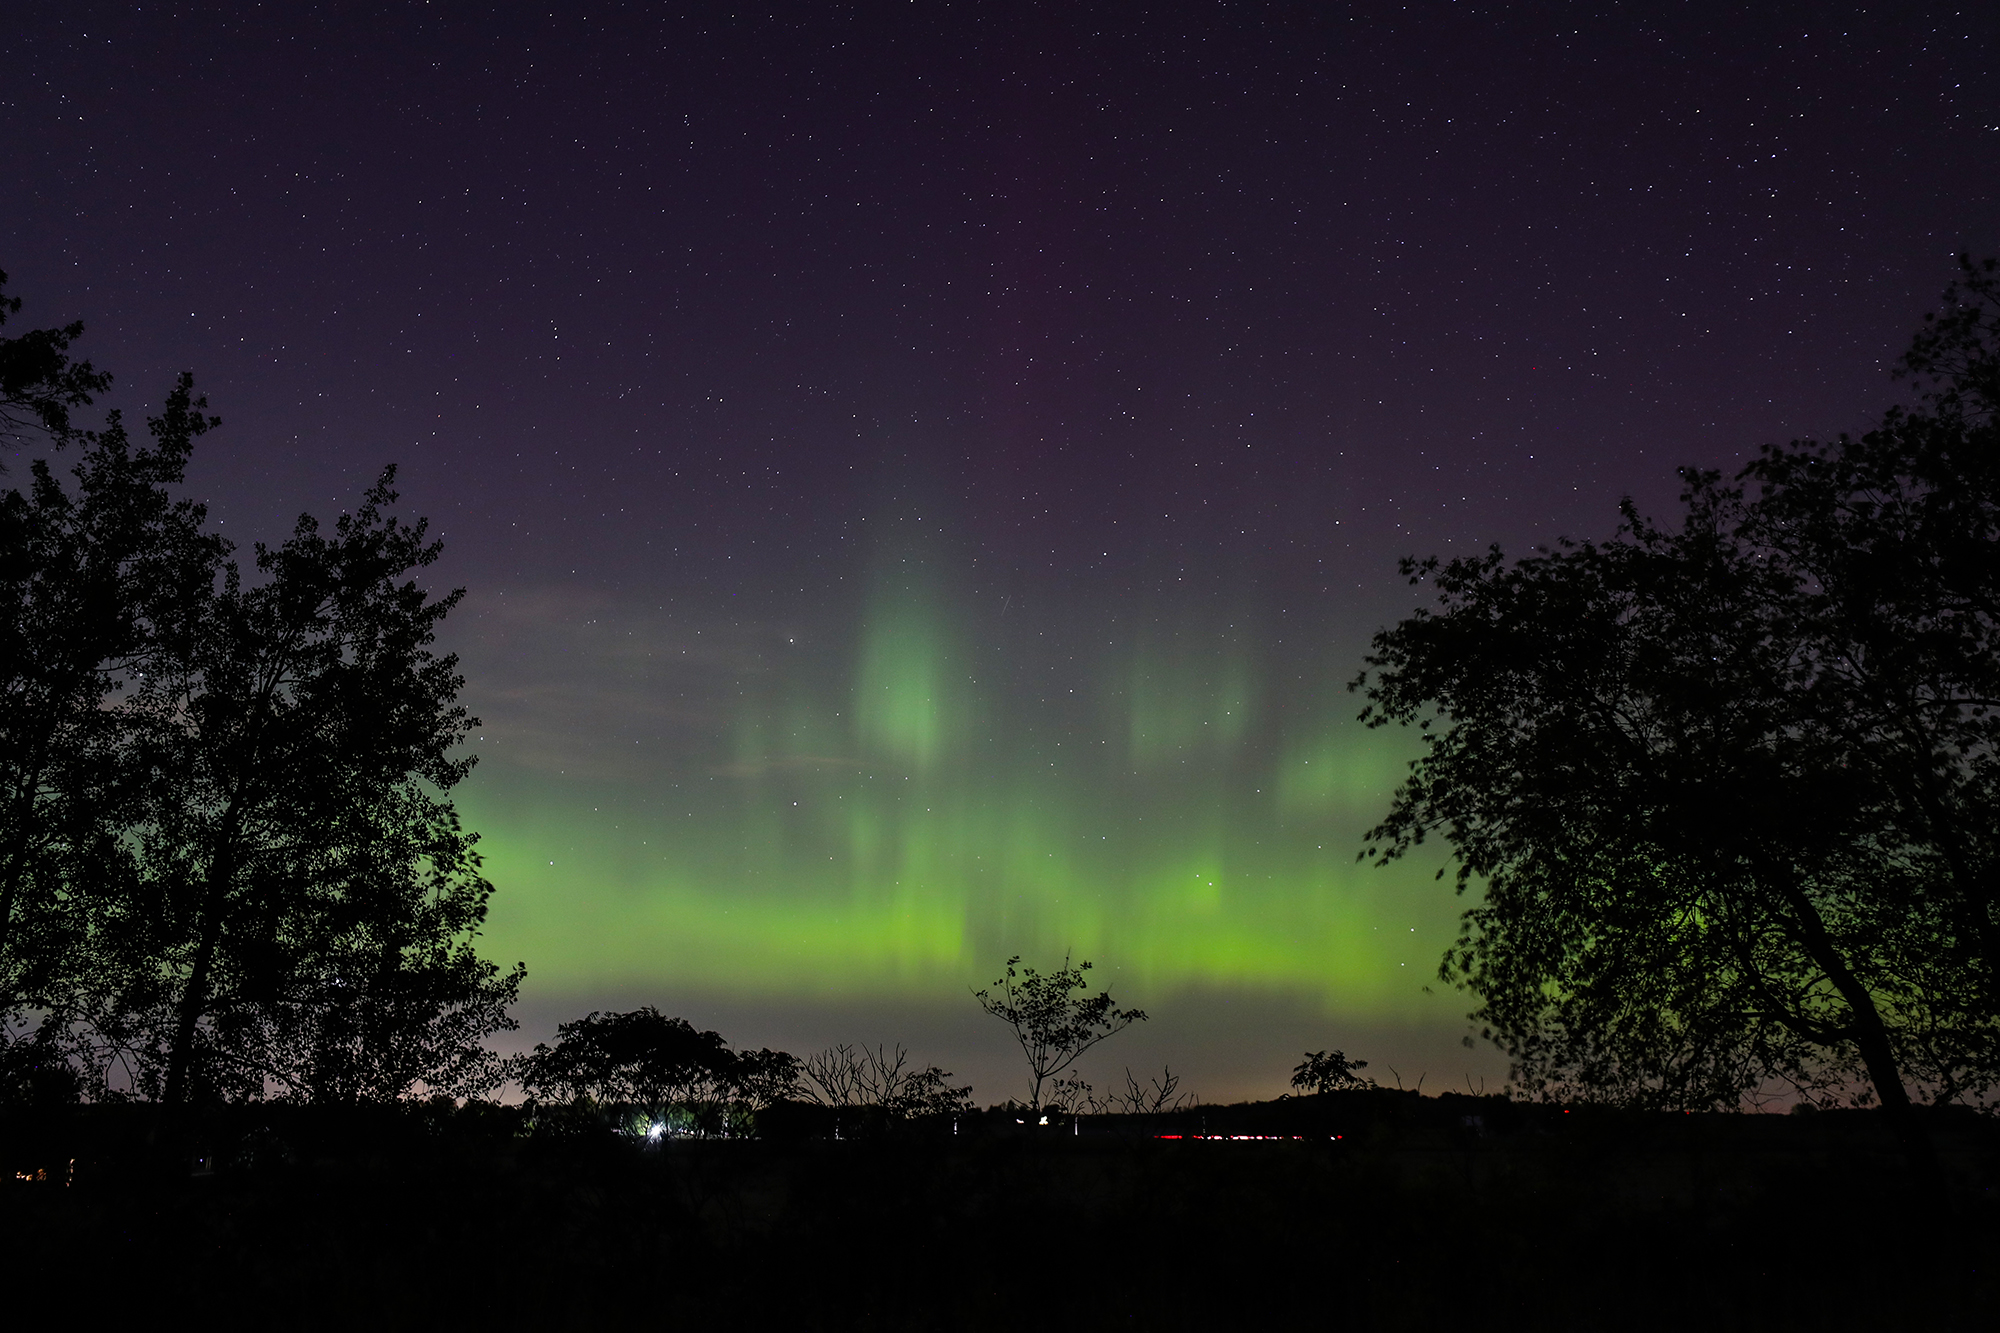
96	580
1329	1071
229	867
672	1075
308	899
39	383
1728	785
1053	1025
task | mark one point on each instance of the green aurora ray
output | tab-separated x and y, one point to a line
887	808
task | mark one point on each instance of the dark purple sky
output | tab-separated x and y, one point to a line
1185	319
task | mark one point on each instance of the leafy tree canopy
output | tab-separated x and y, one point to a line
1726	787
1328	1071
229	866
1054	1024
647	1058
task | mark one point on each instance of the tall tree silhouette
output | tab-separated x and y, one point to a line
306	899
228	857
1894	539
93	571
1728	785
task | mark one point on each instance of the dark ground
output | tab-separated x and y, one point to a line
1424	1213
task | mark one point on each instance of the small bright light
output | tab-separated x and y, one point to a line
653	1134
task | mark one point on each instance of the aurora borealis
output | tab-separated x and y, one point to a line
925	475
884	798
890	796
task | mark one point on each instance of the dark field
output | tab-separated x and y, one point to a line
1424	1213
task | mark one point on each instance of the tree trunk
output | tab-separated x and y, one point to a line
194	998
1872	1037
17	855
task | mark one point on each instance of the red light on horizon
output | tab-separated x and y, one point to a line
1244	1138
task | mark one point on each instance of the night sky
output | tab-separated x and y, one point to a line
926	473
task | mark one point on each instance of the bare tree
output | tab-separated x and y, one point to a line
845	1075
1151	1098
836	1076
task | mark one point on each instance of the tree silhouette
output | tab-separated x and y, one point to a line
1152	1097
96	576
847	1076
643	1056
39	383
1052	1024
228	859
306	899
1728	785
1894	538
1328	1071
663	1066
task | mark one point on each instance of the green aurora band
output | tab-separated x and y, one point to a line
887	809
